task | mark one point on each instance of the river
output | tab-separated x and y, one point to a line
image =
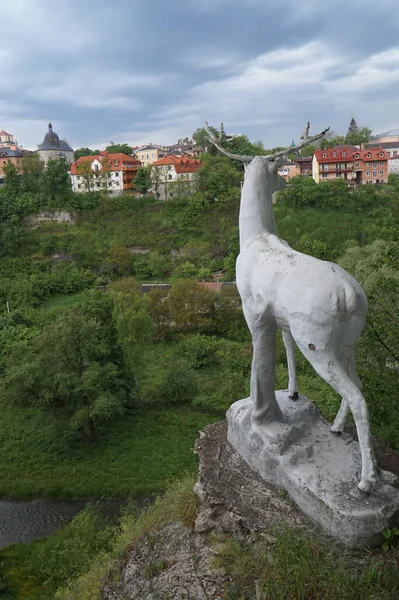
25	521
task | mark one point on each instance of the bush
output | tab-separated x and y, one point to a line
179	385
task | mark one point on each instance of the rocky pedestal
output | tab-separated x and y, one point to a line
301	458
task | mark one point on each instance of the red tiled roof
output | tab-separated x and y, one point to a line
2	132
182	164
349	154
119	158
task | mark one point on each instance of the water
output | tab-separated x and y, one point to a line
32	519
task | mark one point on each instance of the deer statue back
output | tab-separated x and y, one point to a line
316	304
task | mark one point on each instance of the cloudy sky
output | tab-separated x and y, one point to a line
153	70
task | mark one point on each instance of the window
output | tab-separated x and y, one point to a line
170	175
117	174
324	155
78	177
147	156
395	152
368	173
79	186
357	155
324	175
170	195
357	165
374	163
117	182
389	154
338	175
381	172
367	164
334	154
374	173
116	163
153	155
368	155
325	167
343	153
381	163
381	154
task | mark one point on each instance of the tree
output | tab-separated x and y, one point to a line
73	367
114	148
32	172
12	180
85	152
56	181
200	138
356	135
142	180
217	177
191	305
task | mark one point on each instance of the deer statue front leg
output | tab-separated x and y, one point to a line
263	374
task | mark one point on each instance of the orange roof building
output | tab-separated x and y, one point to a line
113	172
174	176
353	164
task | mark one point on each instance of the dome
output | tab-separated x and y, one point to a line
51	136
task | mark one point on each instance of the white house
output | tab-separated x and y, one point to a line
174	176
112	172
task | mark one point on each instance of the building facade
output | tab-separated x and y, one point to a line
53	148
114	173
147	155
174	176
7	139
352	164
289	170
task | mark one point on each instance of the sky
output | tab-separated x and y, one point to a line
141	71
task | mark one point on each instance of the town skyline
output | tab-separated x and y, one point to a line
125	73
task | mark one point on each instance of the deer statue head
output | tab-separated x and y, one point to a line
263	168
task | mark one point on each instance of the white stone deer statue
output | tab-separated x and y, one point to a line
313	302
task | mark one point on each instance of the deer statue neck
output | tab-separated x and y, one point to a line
256	207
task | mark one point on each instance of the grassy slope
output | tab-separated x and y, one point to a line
137	455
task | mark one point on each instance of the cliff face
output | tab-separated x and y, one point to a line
176	563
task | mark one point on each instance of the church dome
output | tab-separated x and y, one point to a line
51	136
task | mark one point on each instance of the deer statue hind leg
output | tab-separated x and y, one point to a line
340	419
289	345
330	368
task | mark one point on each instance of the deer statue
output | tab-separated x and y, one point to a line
315	304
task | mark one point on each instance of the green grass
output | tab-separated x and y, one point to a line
137	455
61	301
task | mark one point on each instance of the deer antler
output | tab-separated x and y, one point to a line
306	142
217	142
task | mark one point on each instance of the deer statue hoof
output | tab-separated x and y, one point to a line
334	432
294	396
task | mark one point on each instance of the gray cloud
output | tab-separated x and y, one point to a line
154	71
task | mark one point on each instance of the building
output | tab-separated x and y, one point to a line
354	165
387	136
174	176
305	165
149	154
288	170
112	172
7	139
392	150
184	148
54	148
13	154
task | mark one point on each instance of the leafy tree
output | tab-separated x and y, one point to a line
200	138
142	181
357	135
191	305
56	181
12	180
85	152
73	367
159	310
32	173
217	177
118	260
302	191
114	148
